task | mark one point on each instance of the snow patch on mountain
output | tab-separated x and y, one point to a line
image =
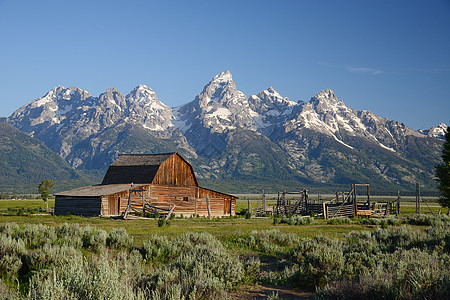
435	131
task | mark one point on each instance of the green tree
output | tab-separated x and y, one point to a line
443	173
44	189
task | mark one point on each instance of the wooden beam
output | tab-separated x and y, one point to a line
209	209
170	212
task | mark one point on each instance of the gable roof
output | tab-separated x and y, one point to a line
135	168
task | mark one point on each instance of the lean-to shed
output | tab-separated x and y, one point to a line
157	180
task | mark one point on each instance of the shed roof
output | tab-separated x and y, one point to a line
97	190
136	168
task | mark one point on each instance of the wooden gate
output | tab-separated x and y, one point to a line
114	206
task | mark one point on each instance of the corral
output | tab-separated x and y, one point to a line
342	205
147	183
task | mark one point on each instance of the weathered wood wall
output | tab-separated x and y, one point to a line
188	201
79	206
175	171
115	204
227	203
183	197
340	210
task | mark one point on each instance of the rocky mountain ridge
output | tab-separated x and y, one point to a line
25	162
230	136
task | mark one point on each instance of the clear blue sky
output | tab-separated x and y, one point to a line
390	57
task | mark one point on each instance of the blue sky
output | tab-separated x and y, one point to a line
390	57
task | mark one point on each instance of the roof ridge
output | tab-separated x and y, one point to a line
147	154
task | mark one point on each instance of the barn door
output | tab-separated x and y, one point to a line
227	207
113	206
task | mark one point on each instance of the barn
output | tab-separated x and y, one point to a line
146	183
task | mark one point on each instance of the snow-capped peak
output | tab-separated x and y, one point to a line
271	90
327	95
223	77
219	107
142	93
435	131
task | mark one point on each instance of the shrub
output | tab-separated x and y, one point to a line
321	261
427	220
11	246
196	266
94	239
252	268
389	240
9	229
159	248
82	279
37	235
163	222
49	257
118	238
286	274
339	221
7	293
69	235
297	220
404	274
268	241
11	251
9	266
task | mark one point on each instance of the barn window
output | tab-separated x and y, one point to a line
185	199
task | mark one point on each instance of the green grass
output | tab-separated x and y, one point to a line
222	228
24	204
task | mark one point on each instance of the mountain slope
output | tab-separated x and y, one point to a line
337	145
79	127
25	162
265	140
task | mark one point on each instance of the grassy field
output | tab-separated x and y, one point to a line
222	228
267	260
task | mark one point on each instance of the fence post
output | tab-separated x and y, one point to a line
264	202
417	198
305	192
325	213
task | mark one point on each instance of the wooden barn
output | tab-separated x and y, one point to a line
146	183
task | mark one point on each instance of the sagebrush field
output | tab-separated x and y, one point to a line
69	257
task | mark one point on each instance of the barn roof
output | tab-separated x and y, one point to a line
97	190
136	168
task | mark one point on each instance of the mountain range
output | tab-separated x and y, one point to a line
234	142
25	162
